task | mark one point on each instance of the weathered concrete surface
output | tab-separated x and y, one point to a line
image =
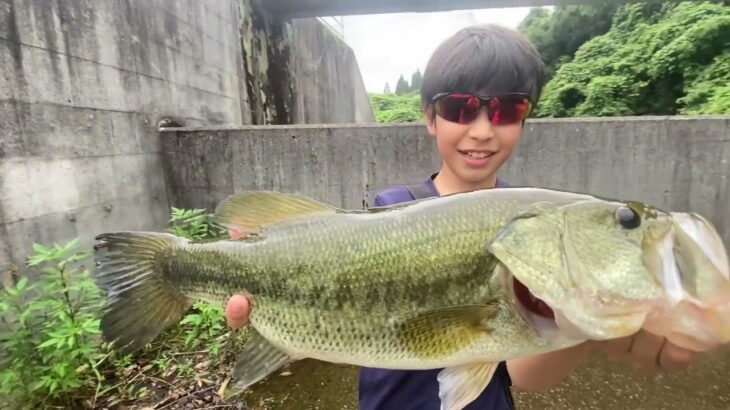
82	87
338	164
327	84
319	8
679	163
298	72
84	84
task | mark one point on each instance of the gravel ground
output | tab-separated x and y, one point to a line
597	385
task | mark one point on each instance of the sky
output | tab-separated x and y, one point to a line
388	45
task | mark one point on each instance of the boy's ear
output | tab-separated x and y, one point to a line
430	120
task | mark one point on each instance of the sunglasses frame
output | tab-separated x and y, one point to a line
483	100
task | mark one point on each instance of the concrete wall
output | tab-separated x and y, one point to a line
299	71
677	163
327	86
82	86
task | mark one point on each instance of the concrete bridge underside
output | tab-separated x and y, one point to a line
321	8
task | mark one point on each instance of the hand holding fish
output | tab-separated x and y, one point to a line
645	351
237	310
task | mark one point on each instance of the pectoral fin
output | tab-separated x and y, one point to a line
258	360
440	332
460	385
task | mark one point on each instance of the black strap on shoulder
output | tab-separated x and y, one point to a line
419	191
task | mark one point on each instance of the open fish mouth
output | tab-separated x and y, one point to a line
534	310
692	266
691	263
529	302
709	244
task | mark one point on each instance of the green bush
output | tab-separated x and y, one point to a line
50	339
657	59
51	352
392	108
559	33
194	224
709	91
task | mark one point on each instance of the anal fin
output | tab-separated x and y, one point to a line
259	359
460	385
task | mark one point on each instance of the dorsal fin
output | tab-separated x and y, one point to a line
250	212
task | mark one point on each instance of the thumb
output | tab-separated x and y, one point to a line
237	311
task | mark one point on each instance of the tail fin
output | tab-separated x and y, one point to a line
141	302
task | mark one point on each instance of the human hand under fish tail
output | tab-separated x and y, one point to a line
460	282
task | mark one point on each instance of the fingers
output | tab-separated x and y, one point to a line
645	351
618	349
674	358
237	311
648	352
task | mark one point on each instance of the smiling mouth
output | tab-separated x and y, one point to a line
477	154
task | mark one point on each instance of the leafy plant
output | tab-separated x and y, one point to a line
709	91
203	325
194	224
50	332
51	352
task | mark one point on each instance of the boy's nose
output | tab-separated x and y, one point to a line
481	128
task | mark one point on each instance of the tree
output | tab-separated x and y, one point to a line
395	108
402	86
558	35
709	91
387	89
416	80
664	59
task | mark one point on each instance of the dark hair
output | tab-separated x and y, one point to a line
485	60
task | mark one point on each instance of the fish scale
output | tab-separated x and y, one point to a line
429	260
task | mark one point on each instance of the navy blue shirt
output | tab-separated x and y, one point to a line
384	389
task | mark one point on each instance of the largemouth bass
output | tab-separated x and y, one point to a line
459	282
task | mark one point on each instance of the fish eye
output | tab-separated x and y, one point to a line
628	217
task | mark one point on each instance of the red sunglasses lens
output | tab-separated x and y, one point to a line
464	108
508	109
458	108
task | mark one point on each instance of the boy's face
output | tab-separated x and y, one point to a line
472	153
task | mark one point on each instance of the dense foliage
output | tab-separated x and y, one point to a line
396	108
52	355
662	59
49	339
609	59
557	35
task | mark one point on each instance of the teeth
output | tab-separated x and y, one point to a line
478	155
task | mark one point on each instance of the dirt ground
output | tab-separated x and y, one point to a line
598	385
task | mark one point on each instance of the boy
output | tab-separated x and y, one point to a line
478	88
